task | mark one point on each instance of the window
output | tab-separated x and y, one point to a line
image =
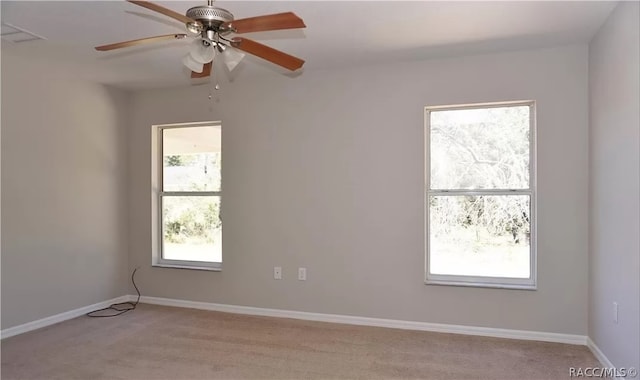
480	195
188	196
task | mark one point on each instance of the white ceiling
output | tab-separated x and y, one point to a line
338	33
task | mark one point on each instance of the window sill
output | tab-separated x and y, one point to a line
482	285
190	267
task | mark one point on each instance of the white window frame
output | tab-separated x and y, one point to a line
482	281
158	194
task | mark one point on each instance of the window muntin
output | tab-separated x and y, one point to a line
189	196
480	198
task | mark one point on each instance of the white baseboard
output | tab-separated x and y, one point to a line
377	322
320	317
606	363
40	323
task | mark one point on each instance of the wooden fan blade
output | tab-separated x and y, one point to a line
265	52
206	71
164	11
140	41
287	20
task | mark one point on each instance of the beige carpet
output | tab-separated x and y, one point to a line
156	342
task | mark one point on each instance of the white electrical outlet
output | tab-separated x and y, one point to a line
615	312
277	273
302	274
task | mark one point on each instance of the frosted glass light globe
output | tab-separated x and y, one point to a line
192	64
201	52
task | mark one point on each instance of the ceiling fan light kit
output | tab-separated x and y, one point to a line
192	64
232	58
210	25
202	51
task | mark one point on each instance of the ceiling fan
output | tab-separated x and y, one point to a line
210	26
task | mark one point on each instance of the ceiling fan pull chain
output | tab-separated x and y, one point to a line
214	78
216	53
214	73
215	87
213	84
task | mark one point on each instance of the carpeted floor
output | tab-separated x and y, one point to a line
156	342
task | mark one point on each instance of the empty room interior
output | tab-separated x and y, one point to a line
410	190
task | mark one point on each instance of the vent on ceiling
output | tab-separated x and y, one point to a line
14	34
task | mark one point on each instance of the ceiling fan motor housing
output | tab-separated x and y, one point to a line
210	17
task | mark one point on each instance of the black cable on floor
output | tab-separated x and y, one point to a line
118	308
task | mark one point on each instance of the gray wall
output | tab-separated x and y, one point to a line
326	171
64	176
614	61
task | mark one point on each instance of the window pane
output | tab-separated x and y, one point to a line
191	228
479	235
484	148
191	158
